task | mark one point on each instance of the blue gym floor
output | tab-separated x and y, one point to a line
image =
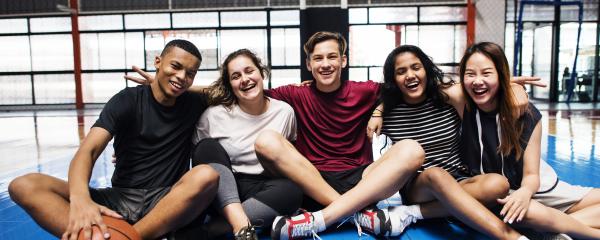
45	141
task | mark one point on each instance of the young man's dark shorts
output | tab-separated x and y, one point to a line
133	204
341	181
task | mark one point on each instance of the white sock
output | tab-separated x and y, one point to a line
413	210
319	221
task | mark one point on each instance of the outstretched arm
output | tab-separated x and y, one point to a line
83	212
534	81
148	79
521	97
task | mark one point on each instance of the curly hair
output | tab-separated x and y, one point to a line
391	95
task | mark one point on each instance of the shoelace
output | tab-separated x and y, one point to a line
300	230
354	219
246	233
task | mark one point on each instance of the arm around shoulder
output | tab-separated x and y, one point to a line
456	97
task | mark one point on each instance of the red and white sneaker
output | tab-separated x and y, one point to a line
296	227
372	220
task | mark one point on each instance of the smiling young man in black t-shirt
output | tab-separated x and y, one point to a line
151	185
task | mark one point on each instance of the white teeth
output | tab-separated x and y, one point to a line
480	91
413	84
176	85
327	72
250	86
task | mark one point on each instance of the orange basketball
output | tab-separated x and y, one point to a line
118	229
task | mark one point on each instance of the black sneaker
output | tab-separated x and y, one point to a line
246	233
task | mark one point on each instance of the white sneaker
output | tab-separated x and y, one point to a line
558	236
399	219
373	221
393	201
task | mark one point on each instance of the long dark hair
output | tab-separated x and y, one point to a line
510	129
391	94
220	91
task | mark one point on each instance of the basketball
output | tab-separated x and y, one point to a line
118	229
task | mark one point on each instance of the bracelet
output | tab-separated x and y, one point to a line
378	110
375	115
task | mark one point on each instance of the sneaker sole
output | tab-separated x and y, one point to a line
278	223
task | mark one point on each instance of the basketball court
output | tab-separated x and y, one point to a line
45	142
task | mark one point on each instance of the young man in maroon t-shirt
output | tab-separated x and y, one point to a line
332	154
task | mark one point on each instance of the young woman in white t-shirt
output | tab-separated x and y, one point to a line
248	195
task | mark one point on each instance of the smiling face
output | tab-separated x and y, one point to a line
175	72
410	77
326	63
481	81
245	79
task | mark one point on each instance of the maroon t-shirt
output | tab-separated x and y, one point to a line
332	126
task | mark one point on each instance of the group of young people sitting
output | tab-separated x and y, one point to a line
258	156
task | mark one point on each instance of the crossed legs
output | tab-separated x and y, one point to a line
395	167
46	200
442	196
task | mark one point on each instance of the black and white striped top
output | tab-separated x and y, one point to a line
436	128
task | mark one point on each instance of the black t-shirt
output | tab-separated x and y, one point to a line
152	142
491	160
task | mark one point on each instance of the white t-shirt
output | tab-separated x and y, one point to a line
237	130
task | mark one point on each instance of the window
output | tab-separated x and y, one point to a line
100	87
14	25
50	24
147	21
287	17
134	50
285	47
205	78
197	19
100	22
15	89
243	19
357	15
15	50
282	77
437	41
103	51
358	74
443	14
255	40
52	52
370	45
393	15
54	88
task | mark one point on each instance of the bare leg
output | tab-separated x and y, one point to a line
437	184
278	155
549	219
587	210
486	189
390	173
44	198
186	200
